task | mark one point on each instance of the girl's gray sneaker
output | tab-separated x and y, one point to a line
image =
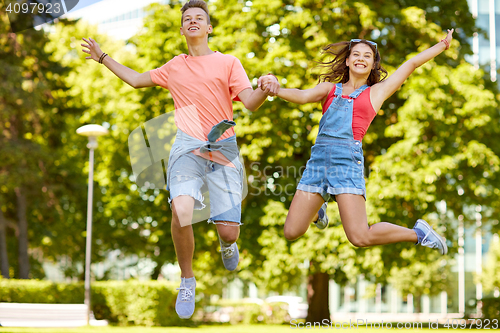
230	255
184	306
322	221
428	237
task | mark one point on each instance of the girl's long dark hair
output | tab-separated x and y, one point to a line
337	69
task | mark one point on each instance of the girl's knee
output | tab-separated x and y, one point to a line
358	239
290	233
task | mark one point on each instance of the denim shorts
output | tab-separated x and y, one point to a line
336	167
193	175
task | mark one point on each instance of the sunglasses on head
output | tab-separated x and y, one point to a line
356	40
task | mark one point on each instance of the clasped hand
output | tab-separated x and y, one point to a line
269	84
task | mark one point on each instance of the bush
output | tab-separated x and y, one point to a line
147	303
491	308
244	312
34	291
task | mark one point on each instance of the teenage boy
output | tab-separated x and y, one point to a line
203	84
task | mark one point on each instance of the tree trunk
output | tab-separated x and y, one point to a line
417	299
24	262
4	259
317	297
157	271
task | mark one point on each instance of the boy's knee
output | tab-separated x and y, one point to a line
229	238
181	216
182	209
230	234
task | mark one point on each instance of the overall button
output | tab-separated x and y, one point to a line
359	162
350	100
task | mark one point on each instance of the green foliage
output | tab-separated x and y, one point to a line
432	275
145	303
276	140
431	141
35	291
444	157
242	312
490	277
34	110
491	308
285	37
125	218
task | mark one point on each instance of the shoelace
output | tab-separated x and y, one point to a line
320	216
227	252
186	293
428	243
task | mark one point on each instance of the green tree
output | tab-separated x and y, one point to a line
277	139
4	257
445	155
124	217
490	277
33	107
130	217
284	37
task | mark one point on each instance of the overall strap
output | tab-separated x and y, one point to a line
358	91
338	90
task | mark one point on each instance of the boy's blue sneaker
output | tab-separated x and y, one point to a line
184	306
428	237
322	221
230	255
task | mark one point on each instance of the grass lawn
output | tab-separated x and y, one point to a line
208	329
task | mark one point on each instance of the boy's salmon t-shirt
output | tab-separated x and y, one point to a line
203	89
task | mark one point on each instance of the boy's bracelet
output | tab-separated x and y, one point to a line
103	55
446	43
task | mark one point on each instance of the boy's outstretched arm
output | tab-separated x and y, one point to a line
253	99
131	77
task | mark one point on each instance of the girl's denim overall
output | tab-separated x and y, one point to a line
336	165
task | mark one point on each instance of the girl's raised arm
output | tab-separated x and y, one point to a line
383	90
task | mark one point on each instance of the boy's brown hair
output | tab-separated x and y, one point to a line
195	4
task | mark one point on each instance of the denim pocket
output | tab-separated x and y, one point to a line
357	154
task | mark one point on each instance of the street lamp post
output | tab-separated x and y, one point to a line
92	132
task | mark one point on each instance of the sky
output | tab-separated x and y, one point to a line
84	3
